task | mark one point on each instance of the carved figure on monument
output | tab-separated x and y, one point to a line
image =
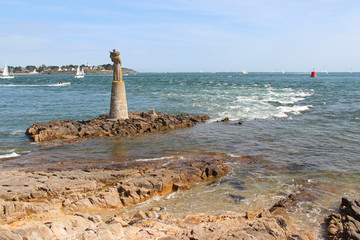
115	58
118	104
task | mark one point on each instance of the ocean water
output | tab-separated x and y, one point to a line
297	134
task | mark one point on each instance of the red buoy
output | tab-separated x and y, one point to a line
313	73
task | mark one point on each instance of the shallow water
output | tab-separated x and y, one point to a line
296	132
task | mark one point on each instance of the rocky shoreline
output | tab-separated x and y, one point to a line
87	203
138	122
30	197
92	203
83	204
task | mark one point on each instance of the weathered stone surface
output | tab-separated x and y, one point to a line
26	196
227	226
102	126
69	205
119	220
71	227
346	223
150	214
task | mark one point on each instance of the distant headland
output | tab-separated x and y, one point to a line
66	69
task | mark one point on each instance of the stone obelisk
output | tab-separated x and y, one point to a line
118	104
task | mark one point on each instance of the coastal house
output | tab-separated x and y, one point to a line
34	72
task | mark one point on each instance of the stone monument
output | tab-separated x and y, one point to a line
118	104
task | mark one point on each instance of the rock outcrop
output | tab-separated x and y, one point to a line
39	196
198	226
143	122
147	225
89	204
346	223
226	226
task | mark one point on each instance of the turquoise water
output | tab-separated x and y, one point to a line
297	131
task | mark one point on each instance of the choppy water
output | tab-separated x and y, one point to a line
297	132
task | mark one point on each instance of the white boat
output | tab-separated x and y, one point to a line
351	70
5	74
283	71
63	83
79	73
245	71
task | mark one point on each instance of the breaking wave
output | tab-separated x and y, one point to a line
9	155
33	85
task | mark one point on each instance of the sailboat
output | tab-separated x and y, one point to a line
245	71
79	73
5	74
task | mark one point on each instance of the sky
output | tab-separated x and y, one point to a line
184	35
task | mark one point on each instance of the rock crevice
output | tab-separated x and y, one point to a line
346	223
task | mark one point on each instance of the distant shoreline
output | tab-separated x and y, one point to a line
70	73
125	71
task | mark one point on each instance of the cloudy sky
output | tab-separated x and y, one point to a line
182	35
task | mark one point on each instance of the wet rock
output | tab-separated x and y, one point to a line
233	182
346	223
180	186
149	122
289	202
164	181
240	122
236	198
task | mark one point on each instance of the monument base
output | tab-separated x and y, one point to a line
118	104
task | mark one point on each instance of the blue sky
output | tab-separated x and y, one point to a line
167	36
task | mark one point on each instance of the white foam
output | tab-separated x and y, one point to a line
153	159
294	109
10	155
42	85
257	102
17	132
171	195
234	155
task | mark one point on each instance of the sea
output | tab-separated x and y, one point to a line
288	134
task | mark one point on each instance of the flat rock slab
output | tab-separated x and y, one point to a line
263	225
39	196
227	226
143	122
76	204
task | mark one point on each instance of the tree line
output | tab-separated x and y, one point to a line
64	68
